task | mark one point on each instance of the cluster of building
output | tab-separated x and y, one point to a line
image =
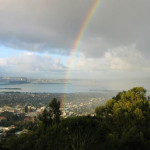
30	114
72	108
81	108
22	109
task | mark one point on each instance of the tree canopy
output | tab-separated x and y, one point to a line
52	114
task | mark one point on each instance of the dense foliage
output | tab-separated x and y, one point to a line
11	118
122	124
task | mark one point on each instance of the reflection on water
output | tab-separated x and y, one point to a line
76	86
49	88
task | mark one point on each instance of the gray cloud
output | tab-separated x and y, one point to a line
119	23
53	25
41	25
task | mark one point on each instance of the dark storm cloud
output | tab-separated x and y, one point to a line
53	25
41	25
119	23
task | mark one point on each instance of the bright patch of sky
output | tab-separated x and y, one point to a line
8	52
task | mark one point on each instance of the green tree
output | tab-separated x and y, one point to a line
52	114
128	110
100	111
46	117
54	110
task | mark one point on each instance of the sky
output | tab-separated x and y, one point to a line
37	37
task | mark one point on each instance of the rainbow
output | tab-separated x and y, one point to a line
77	44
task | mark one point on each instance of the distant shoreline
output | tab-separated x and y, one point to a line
31	83
10	88
51	83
